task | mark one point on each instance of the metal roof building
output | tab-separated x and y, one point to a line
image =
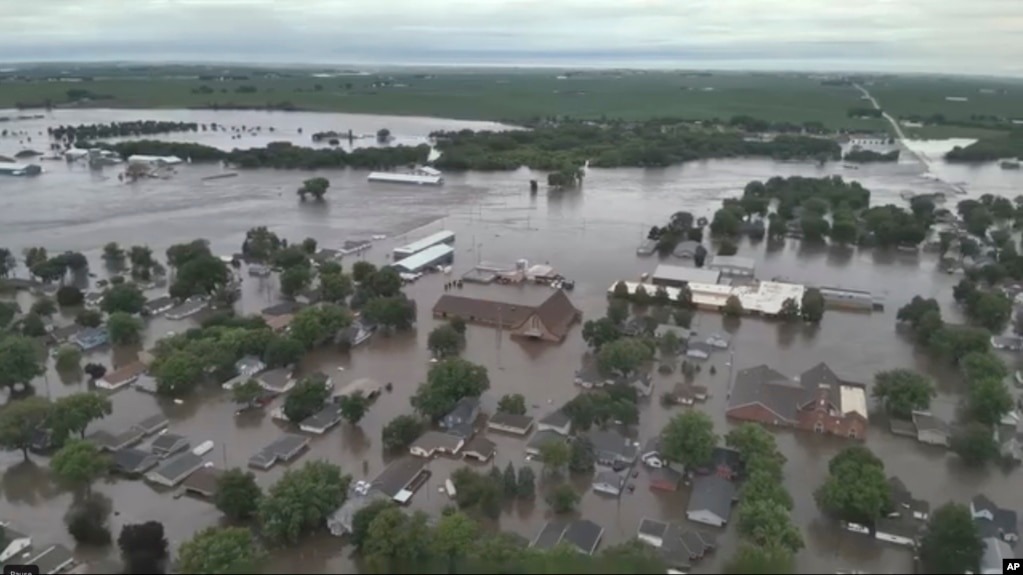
675	276
442	237
429	257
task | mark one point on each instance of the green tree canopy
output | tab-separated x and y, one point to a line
903	391
447	382
19	421
301	500
951	542
78	463
238	495
856	489
689	439
220	551
73	413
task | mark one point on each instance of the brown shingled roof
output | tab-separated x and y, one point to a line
558	313
476	310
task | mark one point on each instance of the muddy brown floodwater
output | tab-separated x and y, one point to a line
588	235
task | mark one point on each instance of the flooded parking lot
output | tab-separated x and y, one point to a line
589	236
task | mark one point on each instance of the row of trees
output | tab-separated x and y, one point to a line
134	128
66	418
612	145
277	155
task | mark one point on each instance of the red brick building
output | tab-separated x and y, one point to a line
817	401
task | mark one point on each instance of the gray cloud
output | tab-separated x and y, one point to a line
976	36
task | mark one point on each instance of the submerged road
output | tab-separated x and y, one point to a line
895	125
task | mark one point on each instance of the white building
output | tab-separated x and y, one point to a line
763	297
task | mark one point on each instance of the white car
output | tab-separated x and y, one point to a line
362	487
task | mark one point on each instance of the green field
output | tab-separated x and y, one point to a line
523	95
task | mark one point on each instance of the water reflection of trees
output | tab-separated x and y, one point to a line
28	483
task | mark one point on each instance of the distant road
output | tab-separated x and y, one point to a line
900	136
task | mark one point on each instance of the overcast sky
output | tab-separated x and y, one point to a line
954	36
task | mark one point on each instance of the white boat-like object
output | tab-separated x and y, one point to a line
421	176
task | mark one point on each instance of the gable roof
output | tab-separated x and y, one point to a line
610	441
557	313
714	494
584	535
556	418
483	310
764	386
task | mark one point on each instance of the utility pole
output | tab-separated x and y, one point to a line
500	327
223	453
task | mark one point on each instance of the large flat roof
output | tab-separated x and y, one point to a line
686	274
733	262
762	297
425	257
422	244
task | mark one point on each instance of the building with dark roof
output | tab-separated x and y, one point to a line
133	461
203	482
549	321
169	444
52	559
557	421
433	442
612	449
542	437
173	471
322	421
285	448
510	423
582	534
711	500
399	479
817	401
994	521
480	448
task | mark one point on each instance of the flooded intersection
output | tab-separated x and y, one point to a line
589	236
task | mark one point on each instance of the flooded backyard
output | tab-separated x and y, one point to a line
589	235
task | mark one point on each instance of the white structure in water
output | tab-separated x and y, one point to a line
154	160
421	176
763	297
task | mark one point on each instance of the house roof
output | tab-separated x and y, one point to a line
249	363
329	415
765	386
689	390
203	481
126	372
52	559
652	527
110	441
481	446
169	442
557	313
483	310
1003	520
995	550
925	421
712	493
699	346
278	322
158	303
900	526
434	440
556	418
541	437
366	385
398	474
287	445
584	535
178	466
287	307
464	408
153	422
549	535
610	441
901	496
276	378
686	274
728	457
609	478
511	420
133	460
652	445
666	475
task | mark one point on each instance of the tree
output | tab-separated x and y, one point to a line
789	310
555	455
113	255
756	560
291	257
309	246
397	542
79	463
19	361
295	279
44	307
180	254
526	483
73	413
362	270
563	498
581	458
689	439
353	407
302	500
124	329
510	481
202	275
952	541
7	312
447	382
444	341
758	448
763	485
401	431
623	356
308	397
620	291
282	351
220	550
453	537
856	489
237	495
316	187
247	392
989	400
177	374
143	547
512	403
69	358
33	326
383	283
335	288
70	296
669	343
363	518
597	333
86	520
89	318
396	313
683	317
767	523
983	365
617	311
19	421
812	305
95	370
903	391
733	307
480	492
844	230
7	262
975	444
314	325
260	244
126	297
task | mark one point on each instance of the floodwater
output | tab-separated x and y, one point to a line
588	235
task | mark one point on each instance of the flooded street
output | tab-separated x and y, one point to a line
589	236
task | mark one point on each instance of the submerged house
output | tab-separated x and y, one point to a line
549	321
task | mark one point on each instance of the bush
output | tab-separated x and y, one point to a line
87	521
69	357
70	296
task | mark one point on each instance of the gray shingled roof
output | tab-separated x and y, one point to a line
176	468
765	386
714	494
584	535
